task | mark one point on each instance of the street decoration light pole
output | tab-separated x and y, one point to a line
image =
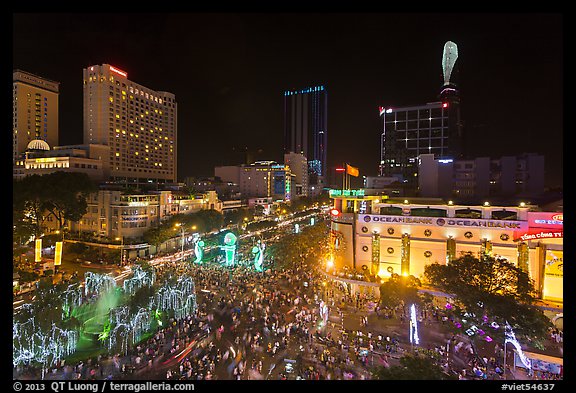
182	245
121	238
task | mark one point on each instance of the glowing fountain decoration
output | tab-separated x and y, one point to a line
449	57
30	343
140	279
258	251
181	298
199	251
510	337
413	326
229	248
98	283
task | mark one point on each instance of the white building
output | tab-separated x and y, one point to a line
404	236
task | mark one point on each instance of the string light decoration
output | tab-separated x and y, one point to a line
126	329
97	284
31	344
510	337
140	279
180	298
413	326
71	298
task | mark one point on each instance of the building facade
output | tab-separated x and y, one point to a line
298	165
411	131
39	159
138	124
386	236
481	177
113	213
259	179
34	111
306	129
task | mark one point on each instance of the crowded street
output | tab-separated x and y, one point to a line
268	325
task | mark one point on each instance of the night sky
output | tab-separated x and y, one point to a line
229	71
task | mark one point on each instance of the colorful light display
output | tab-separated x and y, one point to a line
140	279
229	248
414	339
323	310
30	343
511	338
97	284
181	298
258	251
199	251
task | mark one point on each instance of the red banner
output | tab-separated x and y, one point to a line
538	233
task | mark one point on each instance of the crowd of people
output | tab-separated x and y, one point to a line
248	323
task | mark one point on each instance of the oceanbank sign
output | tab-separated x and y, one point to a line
444	222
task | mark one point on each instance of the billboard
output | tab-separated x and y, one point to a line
546	220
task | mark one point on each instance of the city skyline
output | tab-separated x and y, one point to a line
229	72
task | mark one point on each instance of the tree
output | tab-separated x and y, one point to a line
211	219
398	289
489	293
412	367
28	204
70	204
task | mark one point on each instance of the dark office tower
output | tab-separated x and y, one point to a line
432	128
305	129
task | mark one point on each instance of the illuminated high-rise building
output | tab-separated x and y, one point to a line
137	123
432	128
35	111
305	129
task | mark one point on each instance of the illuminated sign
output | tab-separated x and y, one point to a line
120	72
445	222
546	220
554	263
58	254
535	234
356	193
38	251
45	159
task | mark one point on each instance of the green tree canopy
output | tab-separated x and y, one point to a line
398	289
487	290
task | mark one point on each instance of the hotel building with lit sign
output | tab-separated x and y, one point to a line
385	236
139	125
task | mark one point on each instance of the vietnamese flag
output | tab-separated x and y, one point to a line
352	171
